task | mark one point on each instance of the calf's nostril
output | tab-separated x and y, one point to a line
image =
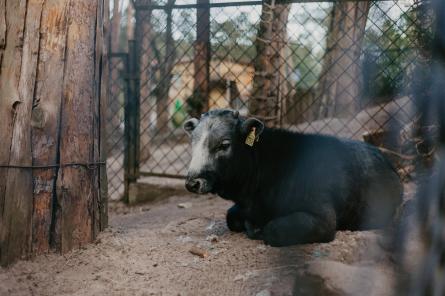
193	185
196	185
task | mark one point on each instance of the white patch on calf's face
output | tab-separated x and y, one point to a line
200	154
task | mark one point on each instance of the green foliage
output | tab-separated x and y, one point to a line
388	55
234	38
307	63
179	114
195	104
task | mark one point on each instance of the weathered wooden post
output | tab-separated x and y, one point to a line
52	100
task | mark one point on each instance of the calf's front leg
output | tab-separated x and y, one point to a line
236	219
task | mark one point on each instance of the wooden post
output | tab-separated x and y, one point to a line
102	77
52	96
16	100
46	121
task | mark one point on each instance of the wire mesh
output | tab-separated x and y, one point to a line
115	128
340	68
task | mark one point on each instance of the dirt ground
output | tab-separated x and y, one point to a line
146	251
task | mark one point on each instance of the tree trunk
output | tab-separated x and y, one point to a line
51	95
115	26
143	38
269	83
339	81
130	22
166	67
199	102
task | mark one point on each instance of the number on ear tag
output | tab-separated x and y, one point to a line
250	140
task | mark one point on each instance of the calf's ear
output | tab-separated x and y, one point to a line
190	125
249	124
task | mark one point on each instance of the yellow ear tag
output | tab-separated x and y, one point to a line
251	137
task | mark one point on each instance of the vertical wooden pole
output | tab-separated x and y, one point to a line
77	191
52	94
45	122
17	207
12	43
102	72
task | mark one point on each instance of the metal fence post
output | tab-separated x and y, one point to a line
132	116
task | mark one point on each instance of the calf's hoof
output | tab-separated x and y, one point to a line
253	232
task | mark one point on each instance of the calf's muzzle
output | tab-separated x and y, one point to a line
196	185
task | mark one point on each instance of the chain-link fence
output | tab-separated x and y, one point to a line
335	67
115	125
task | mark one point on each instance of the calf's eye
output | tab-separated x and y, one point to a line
224	145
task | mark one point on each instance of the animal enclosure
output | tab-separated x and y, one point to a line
344	68
93	105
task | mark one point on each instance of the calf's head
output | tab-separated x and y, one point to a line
218	146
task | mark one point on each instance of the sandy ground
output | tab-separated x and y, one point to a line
146	251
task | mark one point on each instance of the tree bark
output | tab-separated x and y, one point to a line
17	77
199	102
130	22
166	67
339	82
45	118
143	38
269	82
51	98
115	26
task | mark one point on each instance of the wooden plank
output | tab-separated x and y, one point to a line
104	98
77	190
9	101
19	182
2	29
46	116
